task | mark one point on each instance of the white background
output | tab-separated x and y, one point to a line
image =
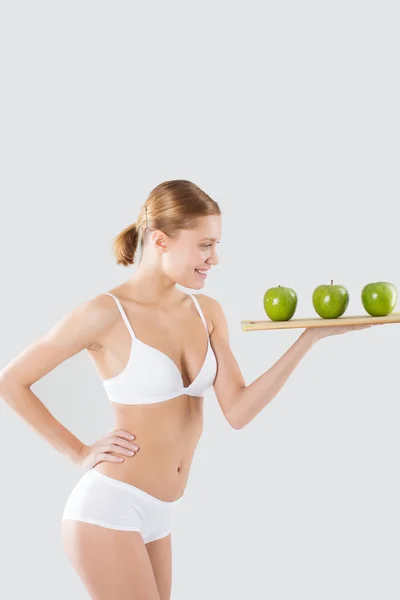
287	114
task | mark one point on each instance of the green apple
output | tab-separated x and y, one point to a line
330	301
379	299
280	303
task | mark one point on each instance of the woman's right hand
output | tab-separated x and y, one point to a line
324	331
117	441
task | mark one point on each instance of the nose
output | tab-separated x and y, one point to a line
213	260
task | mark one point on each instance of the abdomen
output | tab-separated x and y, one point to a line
167	433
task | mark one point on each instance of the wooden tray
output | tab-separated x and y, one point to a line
366	319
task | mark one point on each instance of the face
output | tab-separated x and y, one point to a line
193	249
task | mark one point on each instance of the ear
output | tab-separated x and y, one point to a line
160	240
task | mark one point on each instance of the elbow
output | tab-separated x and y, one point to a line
2	384
237	425
233	417
3	393
7	387
234	422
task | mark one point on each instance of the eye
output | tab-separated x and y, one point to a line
206	245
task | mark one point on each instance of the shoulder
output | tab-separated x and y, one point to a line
211	308
97	314
100	307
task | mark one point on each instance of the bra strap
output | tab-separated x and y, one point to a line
200	311
121	310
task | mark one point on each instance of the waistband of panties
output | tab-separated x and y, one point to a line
131	488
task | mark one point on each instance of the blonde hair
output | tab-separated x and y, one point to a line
171	206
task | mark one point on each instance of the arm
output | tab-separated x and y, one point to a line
241	403
76	331
253	398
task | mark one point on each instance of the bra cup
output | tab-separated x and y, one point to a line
147	373
207	377
157	375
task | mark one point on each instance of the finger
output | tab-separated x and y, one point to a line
122	442
110	457
125	434
118	450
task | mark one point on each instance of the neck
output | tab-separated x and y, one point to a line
152	287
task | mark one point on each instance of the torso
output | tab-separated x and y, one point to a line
167	432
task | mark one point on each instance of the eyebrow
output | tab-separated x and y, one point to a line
209	238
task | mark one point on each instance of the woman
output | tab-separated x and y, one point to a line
156	350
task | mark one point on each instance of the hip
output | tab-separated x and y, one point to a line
111	503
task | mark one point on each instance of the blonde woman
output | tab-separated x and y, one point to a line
156	350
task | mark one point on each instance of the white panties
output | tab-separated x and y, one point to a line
109	502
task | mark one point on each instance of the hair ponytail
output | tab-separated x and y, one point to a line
125	245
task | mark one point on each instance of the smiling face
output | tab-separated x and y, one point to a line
192	249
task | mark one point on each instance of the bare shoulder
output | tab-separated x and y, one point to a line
212	309
96	315
100	313
206	300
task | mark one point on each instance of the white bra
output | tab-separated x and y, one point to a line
151	376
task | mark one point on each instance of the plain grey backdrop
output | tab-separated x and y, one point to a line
287	114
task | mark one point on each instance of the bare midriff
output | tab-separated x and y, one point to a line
167	434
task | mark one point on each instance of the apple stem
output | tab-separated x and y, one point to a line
331	281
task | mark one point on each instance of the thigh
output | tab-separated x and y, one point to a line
112	564
160	553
